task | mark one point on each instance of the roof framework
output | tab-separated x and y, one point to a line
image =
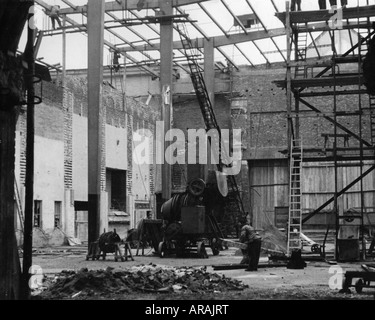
132	28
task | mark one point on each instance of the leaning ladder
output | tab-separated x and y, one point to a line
301	50
295	211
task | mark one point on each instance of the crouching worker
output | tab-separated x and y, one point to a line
253	241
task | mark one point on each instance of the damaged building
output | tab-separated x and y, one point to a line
296	85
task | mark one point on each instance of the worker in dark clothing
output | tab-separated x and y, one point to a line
53	13
295	3
253	241
344	3
149	214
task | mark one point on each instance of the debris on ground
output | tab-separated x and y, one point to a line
143	278
273	240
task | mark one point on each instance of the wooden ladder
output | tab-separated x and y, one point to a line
295	211
300	71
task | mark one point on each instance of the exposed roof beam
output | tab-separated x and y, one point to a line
150	26
323	26
195	25
234	16
213	19
326	15
218	40
130	5
265	28
261	52
119	36
107	43
228	59
274	5
131	29
153	45
70	4
246	57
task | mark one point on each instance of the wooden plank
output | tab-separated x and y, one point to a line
235	244
322	82
325	15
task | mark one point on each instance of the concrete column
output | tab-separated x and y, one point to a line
95	30
209	69
166	69
209	79
68	219
103	224
130	210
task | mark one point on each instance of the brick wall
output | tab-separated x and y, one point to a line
54	121
119	112
266	129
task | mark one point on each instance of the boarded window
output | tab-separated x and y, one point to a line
37	213
57	214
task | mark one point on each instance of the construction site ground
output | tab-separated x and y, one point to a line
319	280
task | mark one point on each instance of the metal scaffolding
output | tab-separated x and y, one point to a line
335	76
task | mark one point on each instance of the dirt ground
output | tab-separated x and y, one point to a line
268	283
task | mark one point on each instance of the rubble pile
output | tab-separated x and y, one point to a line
143	279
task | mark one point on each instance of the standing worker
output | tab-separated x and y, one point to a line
53	13
344	3
253	241
322	4
295	3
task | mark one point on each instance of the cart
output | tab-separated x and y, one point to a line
364	279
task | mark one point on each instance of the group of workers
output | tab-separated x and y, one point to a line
296	4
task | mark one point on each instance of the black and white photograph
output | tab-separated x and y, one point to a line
186	157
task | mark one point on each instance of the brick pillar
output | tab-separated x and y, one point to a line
68	214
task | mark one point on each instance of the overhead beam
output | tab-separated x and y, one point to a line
218	40
324	26
158	33
115	33
265	28
326	15
243	53
213	19
228	59
107	43
234	16
130	5
195	25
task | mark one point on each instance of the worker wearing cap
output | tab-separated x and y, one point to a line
253	241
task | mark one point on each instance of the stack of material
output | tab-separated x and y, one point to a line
144	279
273	240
